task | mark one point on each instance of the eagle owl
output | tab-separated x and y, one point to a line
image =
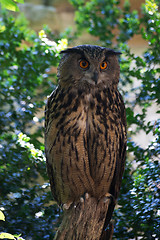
85	126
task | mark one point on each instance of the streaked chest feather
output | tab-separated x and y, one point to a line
84	110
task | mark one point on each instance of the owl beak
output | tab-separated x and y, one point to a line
95	77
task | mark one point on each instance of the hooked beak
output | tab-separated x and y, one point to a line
95	77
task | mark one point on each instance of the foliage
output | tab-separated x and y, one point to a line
4	235
137	215
26	79
11	4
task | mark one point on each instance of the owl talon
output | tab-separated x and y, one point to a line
87	196
66	206
108	197
84	197
82	200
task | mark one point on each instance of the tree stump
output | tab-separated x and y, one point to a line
85	220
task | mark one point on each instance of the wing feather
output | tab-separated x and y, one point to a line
66	154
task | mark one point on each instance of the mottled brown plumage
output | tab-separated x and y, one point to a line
85	126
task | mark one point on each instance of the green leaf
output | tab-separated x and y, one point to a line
19	1
2	217
2	28
10	5
6	236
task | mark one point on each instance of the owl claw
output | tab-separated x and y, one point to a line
87	196
82	200
66	206
108	197
84	197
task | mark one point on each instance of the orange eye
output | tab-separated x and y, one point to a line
83	64
103	65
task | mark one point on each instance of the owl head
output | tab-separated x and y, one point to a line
89	66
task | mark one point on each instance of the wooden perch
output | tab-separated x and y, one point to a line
85	220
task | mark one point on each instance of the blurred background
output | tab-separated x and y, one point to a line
60	14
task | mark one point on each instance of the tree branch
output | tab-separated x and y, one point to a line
85	220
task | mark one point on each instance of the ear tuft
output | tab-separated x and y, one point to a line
112	52
65	51
118	53
72	50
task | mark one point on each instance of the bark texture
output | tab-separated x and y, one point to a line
85	220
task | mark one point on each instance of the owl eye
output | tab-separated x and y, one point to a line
84	64
103	65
